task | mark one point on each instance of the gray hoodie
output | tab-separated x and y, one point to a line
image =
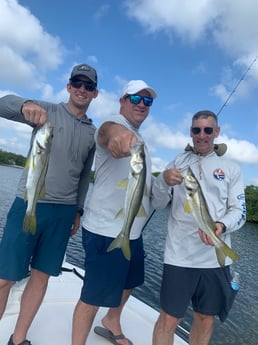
71	154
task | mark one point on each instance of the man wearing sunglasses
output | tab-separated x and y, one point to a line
111	277
59	211
191	272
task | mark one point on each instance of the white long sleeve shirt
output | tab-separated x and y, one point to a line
222	185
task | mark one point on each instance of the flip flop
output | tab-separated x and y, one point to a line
103	332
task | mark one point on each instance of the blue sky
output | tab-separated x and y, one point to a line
192	52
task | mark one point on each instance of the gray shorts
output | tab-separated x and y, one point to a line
208	289
43	251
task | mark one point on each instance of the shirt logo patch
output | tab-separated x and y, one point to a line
219	174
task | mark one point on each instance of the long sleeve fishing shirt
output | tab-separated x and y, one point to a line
71	154
222	185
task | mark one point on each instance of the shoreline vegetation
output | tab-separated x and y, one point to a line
251	192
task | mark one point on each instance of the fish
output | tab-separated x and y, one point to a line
37	165
197	204
133	207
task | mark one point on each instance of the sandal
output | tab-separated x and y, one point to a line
102	331
25	342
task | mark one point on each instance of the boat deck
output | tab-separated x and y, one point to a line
53	323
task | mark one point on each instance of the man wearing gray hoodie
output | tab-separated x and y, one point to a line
58	212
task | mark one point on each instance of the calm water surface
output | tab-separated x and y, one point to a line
241	325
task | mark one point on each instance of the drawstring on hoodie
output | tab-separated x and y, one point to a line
76	139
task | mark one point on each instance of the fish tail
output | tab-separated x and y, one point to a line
121	242
30	223
223	251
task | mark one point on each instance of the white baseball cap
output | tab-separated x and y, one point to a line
135	86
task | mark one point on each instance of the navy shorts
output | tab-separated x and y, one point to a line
208	289
107	274
45	249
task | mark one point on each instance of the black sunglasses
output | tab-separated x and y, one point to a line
136	99
197	130
77	84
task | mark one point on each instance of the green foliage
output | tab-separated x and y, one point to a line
251	192
92	173
251	195
10	158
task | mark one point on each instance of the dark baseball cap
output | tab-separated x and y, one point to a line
85	70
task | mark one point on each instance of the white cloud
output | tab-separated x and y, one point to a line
105	105
25	46
189	20
230	25
242	151
161	136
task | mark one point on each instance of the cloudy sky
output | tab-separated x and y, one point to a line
194	53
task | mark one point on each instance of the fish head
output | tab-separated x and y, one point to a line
138	157
190	182
44	137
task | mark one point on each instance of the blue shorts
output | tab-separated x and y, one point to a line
43	251
208	289
107	274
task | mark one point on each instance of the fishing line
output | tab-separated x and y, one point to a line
220	110
236	86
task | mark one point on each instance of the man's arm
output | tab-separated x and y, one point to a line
117	139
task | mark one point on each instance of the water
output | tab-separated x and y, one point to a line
241	325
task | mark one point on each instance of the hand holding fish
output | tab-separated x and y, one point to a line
172	177
196	203
207	239
117	139
34	113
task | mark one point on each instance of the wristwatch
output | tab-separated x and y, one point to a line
80	210
224	228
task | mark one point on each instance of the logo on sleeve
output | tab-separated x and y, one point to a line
219	174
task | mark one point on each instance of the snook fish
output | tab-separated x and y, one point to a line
133	200
196	204
37	164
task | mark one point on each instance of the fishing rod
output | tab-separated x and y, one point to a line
236	86
220	110
148	219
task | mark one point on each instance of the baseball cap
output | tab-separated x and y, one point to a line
135	86
85	70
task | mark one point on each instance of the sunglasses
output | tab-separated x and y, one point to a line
136	99
77	84
197	130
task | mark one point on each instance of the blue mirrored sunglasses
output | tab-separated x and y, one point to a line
136	99
77	83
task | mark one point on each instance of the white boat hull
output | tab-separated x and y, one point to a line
53	323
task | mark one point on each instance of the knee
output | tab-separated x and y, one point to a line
204	320
39	278
167	322
6	284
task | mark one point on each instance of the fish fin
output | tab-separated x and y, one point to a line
221	257
120	214
30	223
223	251
42	192
141	212
27	164
187	207
121	242
122	184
